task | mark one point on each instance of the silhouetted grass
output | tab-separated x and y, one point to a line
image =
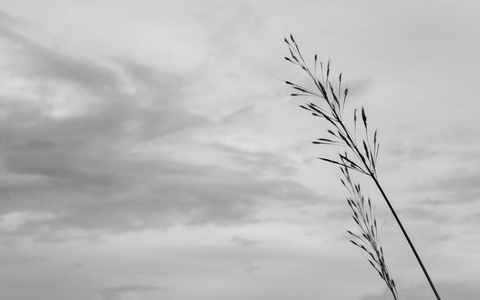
368	240
360	153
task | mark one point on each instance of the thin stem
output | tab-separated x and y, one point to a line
406	236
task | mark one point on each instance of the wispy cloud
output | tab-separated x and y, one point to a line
448	290
244	242
95	144
460	186
118	292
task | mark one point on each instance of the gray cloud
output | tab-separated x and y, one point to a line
447	290
116	292
244	242
423	214
254	159
252	269
459	186
91	168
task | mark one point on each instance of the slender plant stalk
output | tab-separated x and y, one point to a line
408	238
363	154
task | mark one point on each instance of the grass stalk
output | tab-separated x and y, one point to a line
360	155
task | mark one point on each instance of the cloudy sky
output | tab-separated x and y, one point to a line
149	149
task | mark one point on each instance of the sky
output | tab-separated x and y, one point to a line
151	150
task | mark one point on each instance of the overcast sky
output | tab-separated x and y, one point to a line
149	149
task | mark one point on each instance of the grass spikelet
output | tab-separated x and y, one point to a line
368	240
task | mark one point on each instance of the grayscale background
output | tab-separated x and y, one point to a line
150	149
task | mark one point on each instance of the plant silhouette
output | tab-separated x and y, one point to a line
360	154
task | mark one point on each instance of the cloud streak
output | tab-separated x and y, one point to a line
95	145
117	292
448	290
